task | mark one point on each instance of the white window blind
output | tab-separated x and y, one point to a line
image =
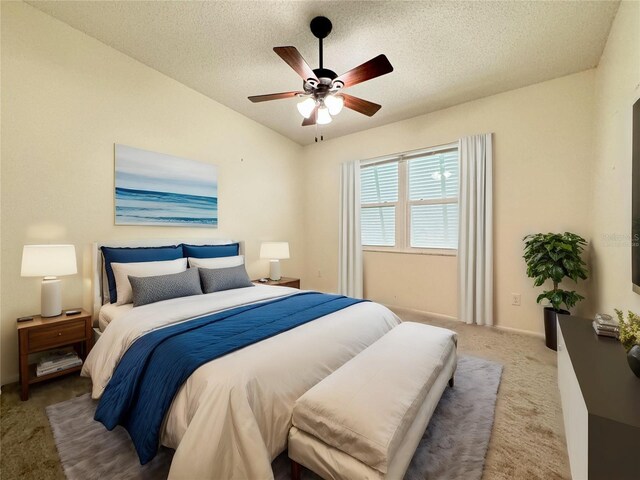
378	198
433	200
410	202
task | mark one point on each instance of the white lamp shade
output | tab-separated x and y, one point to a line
334	103
274	250
323	116
48	260
306	107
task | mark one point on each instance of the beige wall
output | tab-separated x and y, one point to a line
543	150
419	282
617	87
66	99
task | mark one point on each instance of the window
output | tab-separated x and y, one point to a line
410	202
379	199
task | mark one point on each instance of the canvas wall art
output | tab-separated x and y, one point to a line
158	189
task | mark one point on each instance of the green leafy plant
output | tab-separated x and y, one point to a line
555	256
629	329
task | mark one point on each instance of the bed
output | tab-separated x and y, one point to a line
231	417
108	312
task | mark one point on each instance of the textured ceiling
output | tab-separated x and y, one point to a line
444	53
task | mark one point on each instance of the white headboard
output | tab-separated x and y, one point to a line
97	267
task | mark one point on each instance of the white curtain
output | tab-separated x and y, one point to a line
350	243
475	243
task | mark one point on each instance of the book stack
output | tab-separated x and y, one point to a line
606	326
57	361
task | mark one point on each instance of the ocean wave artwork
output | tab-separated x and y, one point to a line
164	190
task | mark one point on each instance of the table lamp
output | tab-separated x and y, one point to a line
50	262
274	251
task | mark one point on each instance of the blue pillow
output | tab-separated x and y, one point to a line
211	251
136	254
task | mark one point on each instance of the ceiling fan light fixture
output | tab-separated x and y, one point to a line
321	97
306	107
323	116
334	103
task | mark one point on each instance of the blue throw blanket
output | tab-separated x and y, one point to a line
154	368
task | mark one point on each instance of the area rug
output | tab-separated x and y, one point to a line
453	447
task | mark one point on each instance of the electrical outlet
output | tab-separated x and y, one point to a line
515	299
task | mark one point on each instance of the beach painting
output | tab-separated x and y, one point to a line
158	189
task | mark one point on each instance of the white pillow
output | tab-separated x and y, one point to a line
121	272
218	262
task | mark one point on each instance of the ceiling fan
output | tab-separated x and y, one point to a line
322	89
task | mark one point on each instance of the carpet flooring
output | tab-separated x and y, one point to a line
453	447
527	441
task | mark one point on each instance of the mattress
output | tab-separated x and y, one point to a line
111	311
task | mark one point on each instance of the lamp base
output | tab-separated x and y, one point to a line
274	269
51	301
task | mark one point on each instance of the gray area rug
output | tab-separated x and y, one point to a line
453	447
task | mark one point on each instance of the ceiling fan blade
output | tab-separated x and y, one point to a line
373	68
292	56
359	105
312	118
274	96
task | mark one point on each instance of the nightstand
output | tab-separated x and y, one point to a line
41	334
283	282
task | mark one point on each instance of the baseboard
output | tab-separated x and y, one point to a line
441	316
12	379
519	330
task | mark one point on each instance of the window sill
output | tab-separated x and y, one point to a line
441	252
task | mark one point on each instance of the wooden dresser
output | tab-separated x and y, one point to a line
600	403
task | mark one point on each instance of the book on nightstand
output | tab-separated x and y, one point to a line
57	361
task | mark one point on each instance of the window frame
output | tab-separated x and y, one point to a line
403	204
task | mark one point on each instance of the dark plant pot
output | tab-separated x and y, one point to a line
633	357
551	326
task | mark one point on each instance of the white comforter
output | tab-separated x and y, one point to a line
230	419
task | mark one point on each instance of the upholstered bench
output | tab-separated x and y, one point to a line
365	420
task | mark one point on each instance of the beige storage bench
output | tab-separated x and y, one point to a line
365	420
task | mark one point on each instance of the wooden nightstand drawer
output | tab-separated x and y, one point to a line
283	282
295	283
53	335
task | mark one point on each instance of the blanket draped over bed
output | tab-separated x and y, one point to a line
154	368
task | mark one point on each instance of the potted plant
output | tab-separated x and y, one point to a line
630	338
555	256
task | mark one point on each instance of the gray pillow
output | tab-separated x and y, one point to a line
218	279
163	287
